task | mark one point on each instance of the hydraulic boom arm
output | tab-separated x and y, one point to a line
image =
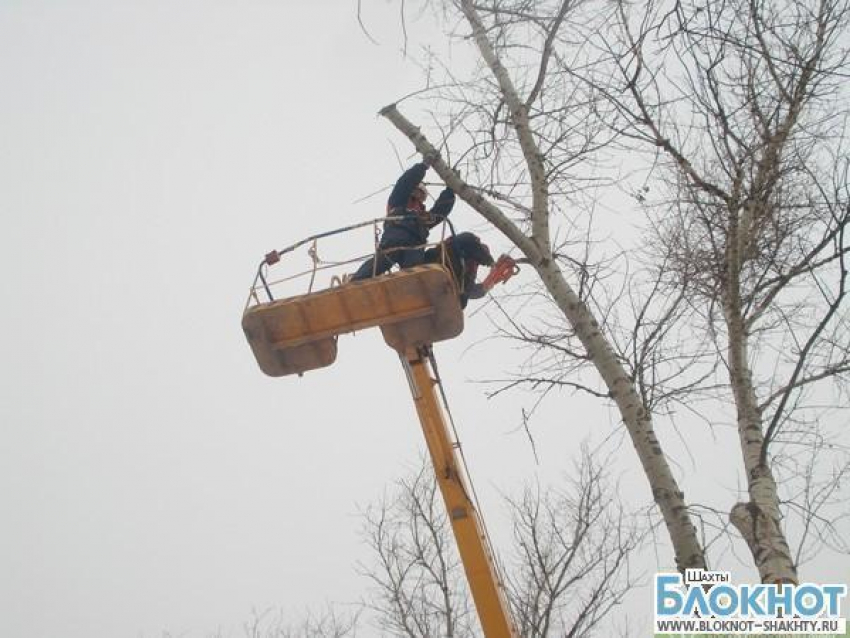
475	551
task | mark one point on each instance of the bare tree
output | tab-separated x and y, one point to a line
742	100
332	621
735	115
419	588
573	548
328	623
530	142
569	566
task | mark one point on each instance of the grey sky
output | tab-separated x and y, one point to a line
151	153
150	476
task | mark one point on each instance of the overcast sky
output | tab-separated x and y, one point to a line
151	478
150	154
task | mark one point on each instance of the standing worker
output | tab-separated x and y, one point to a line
407	224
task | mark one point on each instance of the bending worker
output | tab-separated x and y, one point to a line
407	224
463	254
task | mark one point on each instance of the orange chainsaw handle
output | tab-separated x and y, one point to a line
504	268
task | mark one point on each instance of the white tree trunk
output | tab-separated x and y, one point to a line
537	247
665	490
638	420
759	521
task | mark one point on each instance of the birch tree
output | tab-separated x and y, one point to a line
530	141
737	112
741	100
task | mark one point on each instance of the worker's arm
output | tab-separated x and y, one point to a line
500	272
404	186
442	207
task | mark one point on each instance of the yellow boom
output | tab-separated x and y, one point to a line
472	543
414	308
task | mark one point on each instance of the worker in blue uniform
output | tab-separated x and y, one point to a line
407	224
463	254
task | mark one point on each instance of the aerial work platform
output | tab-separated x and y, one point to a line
413	307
